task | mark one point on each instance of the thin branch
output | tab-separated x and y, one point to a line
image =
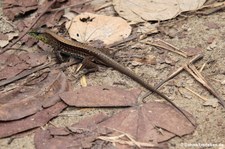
23	74
203	98
166	46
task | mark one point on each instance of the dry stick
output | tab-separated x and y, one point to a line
211	8
172	49
203	98
194	59
123	142
132	142
198	76
29	28
203	66
28	72
74	5
172	46
24	74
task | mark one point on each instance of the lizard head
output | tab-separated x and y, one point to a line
39	35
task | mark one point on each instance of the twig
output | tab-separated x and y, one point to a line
24	74
113	140
198	76
74	5
194	59
29	28
203	98
166	46
211	8
117	139
203	66
104	6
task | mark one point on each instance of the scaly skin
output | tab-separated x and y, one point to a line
80	50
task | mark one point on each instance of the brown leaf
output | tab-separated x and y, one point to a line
36	120
54	18
16	64
88	123
151	122
4	57
142	122
28	41
34	59
28	100
13	8
100	96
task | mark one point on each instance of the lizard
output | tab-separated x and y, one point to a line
80	50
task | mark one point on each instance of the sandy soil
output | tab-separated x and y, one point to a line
211	123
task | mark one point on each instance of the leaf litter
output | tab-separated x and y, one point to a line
34	98
15	64
168	130
39	119
144	125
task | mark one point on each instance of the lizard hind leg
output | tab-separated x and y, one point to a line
88	66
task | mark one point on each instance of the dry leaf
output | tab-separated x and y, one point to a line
101	96
13	8
146	124
28	100
16	64
36	120
149	10
143	122
89	27
13	66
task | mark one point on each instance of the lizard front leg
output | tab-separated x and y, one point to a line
60	57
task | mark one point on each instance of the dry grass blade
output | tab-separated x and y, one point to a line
132	142
203	98
201	79
164	45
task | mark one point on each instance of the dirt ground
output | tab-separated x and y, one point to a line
204	32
